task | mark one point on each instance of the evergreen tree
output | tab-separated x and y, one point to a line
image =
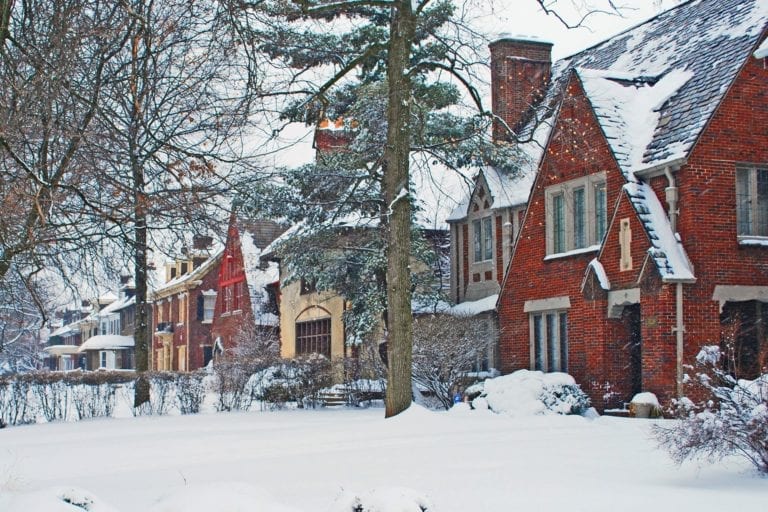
384	56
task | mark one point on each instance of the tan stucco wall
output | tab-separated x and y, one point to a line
296	307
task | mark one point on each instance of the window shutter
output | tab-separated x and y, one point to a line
200	307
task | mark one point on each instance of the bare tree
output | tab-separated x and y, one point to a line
446	351
171	120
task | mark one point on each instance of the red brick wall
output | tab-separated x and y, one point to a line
575	134
227	324
738	133
199	333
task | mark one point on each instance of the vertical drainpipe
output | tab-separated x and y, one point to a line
679	329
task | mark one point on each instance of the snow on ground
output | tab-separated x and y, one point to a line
323	460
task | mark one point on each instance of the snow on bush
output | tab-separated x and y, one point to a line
731	420
527	393
384	499
56	499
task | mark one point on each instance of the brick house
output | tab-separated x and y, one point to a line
182	309
646	232
248	287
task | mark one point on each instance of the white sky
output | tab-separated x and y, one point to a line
523	18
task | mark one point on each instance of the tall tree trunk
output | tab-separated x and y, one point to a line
142	333
398	225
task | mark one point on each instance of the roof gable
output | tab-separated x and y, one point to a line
707	40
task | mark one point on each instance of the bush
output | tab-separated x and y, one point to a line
446	349
190	392
731	420
525	393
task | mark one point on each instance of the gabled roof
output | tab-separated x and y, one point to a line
188	278
258	274
653	89
707	40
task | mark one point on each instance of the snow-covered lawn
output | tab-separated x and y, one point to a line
316	460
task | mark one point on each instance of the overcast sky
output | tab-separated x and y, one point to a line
526	18
523	18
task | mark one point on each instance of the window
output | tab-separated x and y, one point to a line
182	358
752	201
549	333
576	214
227	304
103	359
482	230
314	337
237	295
206	304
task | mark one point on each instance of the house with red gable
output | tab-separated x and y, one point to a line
183	306
248	289
645	235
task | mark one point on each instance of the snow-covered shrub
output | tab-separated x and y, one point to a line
163	387
53	394
230	381
16	406
190	392
446	349
731	420
93	400
298	381
384	499
525	393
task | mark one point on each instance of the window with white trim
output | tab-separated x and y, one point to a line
549	341
752	201
482	231
576	214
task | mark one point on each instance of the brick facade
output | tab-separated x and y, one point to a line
600	347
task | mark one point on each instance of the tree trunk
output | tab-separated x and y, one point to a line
398	215
142	333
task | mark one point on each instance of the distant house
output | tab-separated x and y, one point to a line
112	345
248	288
183	309
63	343
645	233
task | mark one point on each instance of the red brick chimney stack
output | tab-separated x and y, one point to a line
520	72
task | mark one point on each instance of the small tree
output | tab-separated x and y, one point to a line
445	349
731	420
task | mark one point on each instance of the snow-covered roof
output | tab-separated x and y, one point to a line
693	53
762	51
196	273
666	249
628	110
106	342
116	306
475	307
258	278
599	271
61	350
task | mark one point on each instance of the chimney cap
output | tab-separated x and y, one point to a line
507	37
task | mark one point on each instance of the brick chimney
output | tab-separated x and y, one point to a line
331	136
520	73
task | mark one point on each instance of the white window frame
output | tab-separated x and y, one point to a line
590	235
482	239
749	202
209	306
547	328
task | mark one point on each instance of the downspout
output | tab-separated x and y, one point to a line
679	329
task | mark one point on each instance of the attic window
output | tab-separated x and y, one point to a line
480	193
